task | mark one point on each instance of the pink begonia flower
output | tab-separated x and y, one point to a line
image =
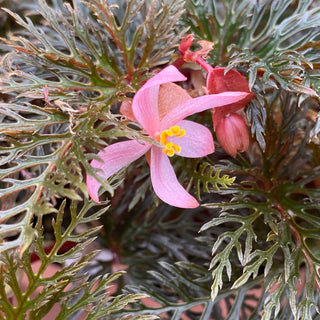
231	130
164	122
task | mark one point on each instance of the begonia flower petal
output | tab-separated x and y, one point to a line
200	104
197	141
114	157
165	182
126	110
145	101
220	81
170	95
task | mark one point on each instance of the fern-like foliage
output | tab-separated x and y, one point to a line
271	38
92	51
69	66
274	213
275	43
190	295
245	242
56	288
204	176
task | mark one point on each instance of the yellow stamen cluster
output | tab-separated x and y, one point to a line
169	147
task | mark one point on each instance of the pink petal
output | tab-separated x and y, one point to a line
200	104
170	95
115	157
165	182
145	101
126	110
197	142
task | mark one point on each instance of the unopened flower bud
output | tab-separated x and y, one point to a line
185	44
232	134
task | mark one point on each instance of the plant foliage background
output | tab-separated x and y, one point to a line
251	251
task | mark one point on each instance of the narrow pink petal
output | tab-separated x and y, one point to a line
115	157
200	104
197	142
165	182
145	101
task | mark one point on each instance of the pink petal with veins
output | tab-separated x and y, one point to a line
196	143
114	157
145	101
200	104
165	182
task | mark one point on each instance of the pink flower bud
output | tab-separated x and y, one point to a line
232	134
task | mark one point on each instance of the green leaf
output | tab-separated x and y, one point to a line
204	176
218	22
228	241
309	302
83	293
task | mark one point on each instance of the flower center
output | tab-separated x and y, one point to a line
169	147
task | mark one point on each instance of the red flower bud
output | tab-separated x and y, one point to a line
232	134
185	44
197	56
